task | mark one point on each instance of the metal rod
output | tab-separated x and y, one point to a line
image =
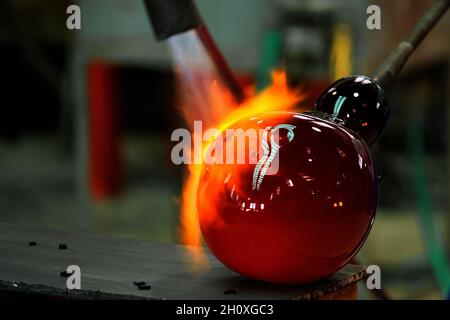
221	64
386	74
170	17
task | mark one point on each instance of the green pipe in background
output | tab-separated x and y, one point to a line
435	249
270	55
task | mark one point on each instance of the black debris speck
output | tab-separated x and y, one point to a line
230	291
65	274
144	287
32	243
62	246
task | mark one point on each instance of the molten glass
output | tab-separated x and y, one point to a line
299	213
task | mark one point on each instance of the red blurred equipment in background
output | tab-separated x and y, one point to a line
105	167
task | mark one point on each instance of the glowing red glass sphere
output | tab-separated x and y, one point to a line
302	223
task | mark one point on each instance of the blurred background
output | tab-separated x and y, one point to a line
86	117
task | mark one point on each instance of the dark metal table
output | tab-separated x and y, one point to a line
110	265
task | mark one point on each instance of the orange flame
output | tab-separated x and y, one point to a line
223	113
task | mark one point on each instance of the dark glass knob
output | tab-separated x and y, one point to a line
360	103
